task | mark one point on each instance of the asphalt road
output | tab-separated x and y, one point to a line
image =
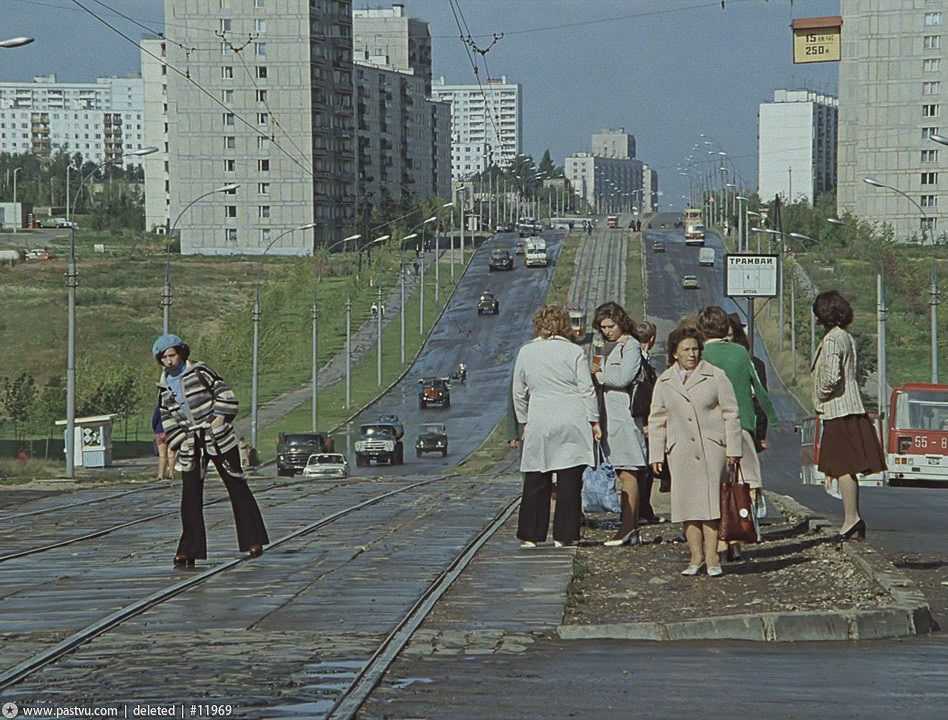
487	344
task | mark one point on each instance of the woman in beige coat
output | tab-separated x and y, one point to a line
694	426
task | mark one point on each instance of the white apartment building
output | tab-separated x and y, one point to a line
399	134
102	120
650	192
893	96
386	36
486	122
796	145
608	185
155	125
272	113
613	143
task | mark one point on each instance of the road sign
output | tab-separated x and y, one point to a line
816	39
747	275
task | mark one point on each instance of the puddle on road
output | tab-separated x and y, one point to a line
406	682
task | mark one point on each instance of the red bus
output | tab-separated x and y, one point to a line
917	441
811	432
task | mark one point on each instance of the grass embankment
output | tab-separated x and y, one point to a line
494	450
634	282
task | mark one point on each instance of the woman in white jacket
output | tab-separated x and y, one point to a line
624	438
555	400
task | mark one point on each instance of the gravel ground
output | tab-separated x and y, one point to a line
644	583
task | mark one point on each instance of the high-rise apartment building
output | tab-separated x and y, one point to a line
607	184
892	98
386	36
102	120
155	126
613	143
796	145
649	190
264	106
486	122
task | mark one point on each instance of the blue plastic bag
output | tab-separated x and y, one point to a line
599	485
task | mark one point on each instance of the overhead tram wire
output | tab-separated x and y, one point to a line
206	92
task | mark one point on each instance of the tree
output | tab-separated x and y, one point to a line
19	402
51	403
547	167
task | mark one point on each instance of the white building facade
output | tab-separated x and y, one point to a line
386	36
893	96
486	122
797	145
102	120
608	185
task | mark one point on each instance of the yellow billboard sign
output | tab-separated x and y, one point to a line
816	39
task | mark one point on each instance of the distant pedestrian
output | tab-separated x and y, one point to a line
848	445
695	427
614	368
165	455
374	310
555	401
414	266
197	412
589	229
244	448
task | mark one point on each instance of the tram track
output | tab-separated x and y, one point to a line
69	506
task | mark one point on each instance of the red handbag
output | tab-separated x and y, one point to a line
737	512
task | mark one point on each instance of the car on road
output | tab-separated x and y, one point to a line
706	256
434	391
500	259
487	304
294	450
432	437
658	246
326	465
690	282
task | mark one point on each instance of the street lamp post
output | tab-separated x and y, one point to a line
255	316
741	244
72	281
378	312
793	313
16	214
933	290
462	189
451	205
166	291
437	262
347	240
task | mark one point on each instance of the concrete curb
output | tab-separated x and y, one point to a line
909	613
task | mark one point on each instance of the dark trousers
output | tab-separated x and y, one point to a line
247	517
534	518
645	479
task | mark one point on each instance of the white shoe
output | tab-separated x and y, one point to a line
630	538
715	571
526	544
557	543
692	569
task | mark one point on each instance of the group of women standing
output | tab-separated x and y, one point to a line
709	412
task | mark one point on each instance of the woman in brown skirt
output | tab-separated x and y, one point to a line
848	445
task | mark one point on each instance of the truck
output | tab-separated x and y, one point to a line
706	256
535	252
694	234
294	449
612	221
380	441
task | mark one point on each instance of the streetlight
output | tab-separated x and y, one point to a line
461	189
793	312
16	214
401	273
749	214
881	317
933	291
741	240
779	235
432	219
348	322
166	292
451	205
72	281
15	42
256	333
378	310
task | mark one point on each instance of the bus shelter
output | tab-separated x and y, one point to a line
92	443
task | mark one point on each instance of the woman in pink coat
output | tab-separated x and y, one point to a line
694	426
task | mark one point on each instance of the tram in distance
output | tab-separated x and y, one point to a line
915	434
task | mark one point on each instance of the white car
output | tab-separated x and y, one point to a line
332	465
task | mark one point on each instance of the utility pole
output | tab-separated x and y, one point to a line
401	315
421	299
348	347
315	380
378	317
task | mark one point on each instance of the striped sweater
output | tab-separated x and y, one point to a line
207	396
835	386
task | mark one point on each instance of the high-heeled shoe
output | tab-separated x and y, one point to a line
183	561
692	570
255	551
630	538
856	529
734	553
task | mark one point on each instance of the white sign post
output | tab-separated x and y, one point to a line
751	276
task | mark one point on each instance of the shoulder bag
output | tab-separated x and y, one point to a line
600	485
737	512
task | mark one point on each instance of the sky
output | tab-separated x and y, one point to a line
667	71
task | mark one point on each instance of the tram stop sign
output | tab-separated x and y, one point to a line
748	275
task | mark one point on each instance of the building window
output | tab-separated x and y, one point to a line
263	118
929	156
230	165
225	25
931	19
261	96
230	211
227	96
263	143
929	178
263	165
928	132
264	236
929	111
931	88
926	224
260	49
260	25
230	234
932	42
263	188
261	72
227	72
931	65
929	200
259	3
226	49
263	212
229	119
230	142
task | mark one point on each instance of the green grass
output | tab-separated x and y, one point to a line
634	285
558	292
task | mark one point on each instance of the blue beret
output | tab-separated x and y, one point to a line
165	342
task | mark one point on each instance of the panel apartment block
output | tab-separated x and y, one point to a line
102	121
606	184
155	89
797	145
486	122
270	108
613	143
892	97
386	36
